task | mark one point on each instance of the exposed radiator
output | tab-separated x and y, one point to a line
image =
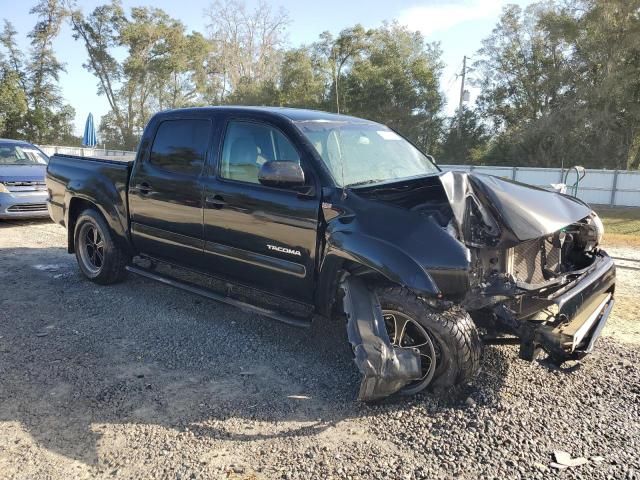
527	261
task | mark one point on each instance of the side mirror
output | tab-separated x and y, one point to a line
281	174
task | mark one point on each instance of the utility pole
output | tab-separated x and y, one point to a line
463	74
335	80
336	76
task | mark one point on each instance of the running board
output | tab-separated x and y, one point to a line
248	307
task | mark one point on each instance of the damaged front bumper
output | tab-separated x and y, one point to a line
582	312
575	315
385	368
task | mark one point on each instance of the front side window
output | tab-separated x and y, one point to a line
21	154
361	153
180	146
248	145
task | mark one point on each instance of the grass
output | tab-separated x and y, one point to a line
621	225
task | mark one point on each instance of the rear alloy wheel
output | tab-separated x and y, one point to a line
91	248
100	259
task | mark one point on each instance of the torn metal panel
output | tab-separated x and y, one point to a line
385	368
522	212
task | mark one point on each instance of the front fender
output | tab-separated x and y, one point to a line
385	368
376	254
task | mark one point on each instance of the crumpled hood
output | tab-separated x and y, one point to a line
522	212
22	173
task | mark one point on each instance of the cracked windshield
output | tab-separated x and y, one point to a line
365	153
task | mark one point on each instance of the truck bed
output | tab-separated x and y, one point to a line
102	182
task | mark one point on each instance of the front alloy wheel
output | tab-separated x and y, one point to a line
449	344
405	332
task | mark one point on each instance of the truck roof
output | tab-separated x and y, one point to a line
293	114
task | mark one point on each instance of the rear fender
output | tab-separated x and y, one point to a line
105	202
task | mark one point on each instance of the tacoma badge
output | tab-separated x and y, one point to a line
284	250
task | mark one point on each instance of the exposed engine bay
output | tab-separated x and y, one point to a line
499	261
523	262
538	265
525	245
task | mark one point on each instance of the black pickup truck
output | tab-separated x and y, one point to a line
298	214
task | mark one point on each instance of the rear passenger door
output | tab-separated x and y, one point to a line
165	191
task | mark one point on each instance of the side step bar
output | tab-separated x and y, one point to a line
189	287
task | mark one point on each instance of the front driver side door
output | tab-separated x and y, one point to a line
261	236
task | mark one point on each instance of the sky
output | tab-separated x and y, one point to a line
459	26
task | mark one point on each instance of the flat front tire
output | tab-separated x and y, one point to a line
448	341
100	259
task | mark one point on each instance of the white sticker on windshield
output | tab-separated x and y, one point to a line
388	135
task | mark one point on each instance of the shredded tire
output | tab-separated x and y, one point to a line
455	333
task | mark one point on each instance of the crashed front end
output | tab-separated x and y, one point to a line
537	269
524	262
554	292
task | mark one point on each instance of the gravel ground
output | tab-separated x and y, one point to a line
139	380
625	323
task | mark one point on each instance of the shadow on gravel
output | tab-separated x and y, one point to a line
75	357
566	367
26	222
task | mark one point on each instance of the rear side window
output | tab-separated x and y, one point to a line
180	146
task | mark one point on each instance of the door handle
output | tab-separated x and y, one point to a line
143	188
216	201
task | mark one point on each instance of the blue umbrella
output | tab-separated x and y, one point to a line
89	138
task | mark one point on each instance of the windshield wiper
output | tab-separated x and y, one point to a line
364	182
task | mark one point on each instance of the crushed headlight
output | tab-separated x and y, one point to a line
599	227
591	232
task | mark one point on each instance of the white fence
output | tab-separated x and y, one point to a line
599	186
604	187
87	152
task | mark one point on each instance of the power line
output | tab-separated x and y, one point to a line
454	76
463	74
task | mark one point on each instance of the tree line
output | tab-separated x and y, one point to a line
558	81
31	105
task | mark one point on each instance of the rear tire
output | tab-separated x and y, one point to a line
100	259
451	333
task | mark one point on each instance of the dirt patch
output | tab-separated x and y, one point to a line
621	240
621	225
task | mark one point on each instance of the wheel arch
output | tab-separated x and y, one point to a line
77	205
376	259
